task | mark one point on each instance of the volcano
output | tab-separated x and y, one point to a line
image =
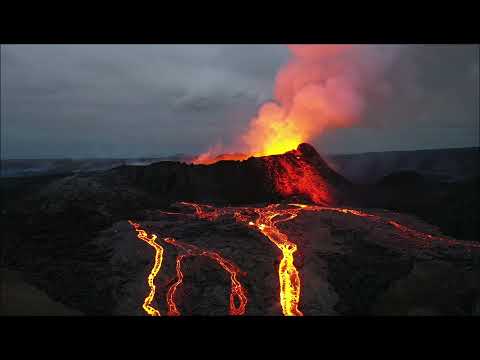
271	235
299	174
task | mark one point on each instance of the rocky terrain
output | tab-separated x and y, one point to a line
348	266
438	164
20	298
69	237
367	168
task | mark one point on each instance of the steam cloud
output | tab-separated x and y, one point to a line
322	86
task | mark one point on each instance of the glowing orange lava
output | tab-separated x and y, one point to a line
404	230
266	221
211	215
271	215
298	178
268	217
288	275
150	240
237	291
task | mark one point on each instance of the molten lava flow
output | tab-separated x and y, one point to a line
266	223
212	213
427	237
405	230
237	291
297	177
142	235
172	307
287	272
270	216
266	220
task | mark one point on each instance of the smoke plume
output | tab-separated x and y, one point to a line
321	86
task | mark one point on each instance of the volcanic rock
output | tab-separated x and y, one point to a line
70	238
299	173
348	266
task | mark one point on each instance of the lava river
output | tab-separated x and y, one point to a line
265	220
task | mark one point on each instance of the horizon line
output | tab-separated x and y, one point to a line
148	157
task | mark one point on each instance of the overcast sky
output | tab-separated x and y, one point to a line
153	100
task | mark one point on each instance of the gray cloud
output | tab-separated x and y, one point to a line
145	100
432	86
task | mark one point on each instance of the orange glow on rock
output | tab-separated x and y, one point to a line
298	178
292	173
